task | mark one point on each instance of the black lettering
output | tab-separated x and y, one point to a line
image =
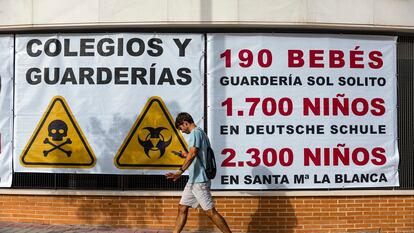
109	49
121	72
31	78
183	73
86	73
154	44
85	45
130	45
29	48
68	76
138	73
57	45
182	46
166	76
120	47
47	76
100	78
66	48
248	179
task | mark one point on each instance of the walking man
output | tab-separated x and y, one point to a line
197	190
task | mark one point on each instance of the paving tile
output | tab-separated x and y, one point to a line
12	227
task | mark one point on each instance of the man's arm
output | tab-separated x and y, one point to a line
189	157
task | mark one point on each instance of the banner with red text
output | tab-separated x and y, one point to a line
302	111
6	109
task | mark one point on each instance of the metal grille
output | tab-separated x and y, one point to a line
405	92
95	182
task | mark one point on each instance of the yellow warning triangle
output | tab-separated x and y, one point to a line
58	140
151	141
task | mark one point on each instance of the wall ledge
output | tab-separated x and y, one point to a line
206	25
156	193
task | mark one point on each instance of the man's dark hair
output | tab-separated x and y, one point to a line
181	117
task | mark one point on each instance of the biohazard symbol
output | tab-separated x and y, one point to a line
154	141
151	141
58	140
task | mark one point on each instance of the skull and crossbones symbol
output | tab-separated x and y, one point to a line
57	131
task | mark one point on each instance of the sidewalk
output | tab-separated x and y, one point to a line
11	227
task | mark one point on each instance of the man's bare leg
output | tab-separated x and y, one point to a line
181	218
218	220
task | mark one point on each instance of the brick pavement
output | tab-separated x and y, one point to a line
12	227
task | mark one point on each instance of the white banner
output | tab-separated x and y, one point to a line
6	112
302	111
105	103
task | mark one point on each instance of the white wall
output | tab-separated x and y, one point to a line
394	15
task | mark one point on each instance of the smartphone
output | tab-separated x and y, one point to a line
178	153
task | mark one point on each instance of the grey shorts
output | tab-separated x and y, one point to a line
197	194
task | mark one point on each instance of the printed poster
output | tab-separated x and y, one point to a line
105	103
297	111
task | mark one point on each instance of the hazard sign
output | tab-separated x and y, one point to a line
152	140
58	141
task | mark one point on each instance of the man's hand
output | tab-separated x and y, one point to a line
184	154
189	157
174	176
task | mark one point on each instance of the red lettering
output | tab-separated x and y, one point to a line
379	153
309	105
336	59
295	58
356	156
314	57
378	104
338	156
356	56
308	155
376	57
343	106
360	111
